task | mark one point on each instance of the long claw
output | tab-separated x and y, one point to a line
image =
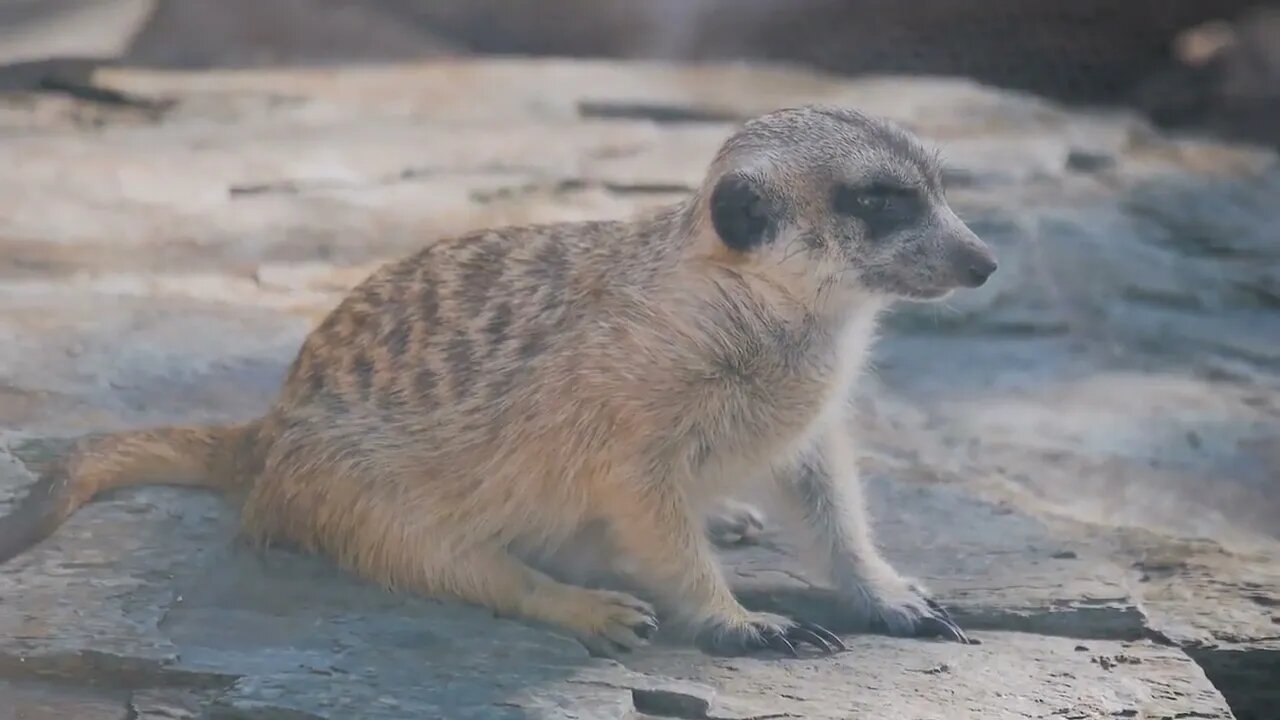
646	629
957	633
809	636
937	607
825	634
942	628
781	644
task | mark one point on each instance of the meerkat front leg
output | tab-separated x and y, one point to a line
672	557
828	491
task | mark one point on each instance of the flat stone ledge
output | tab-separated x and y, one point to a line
1119	356
1008	676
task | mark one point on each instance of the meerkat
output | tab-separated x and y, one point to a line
507	388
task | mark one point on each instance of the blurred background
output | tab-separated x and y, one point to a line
1202	65
1107	407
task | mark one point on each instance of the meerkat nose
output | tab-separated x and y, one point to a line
980	268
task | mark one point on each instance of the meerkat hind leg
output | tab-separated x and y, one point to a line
382	539
734	523
607	623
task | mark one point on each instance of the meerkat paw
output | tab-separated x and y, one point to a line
735	523
610	623
765	631
904	608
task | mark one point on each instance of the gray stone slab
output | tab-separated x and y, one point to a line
1010	675
28	700
1223	609
90	600
164	265
181	603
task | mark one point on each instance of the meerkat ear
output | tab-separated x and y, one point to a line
741	215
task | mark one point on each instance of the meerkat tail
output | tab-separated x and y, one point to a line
184	456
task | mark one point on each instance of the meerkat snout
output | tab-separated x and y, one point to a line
979	266
846	201
971	261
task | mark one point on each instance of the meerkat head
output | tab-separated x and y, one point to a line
843	199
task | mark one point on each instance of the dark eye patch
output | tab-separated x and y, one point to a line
883	207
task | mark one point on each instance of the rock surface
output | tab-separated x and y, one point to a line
1081	457
1208	65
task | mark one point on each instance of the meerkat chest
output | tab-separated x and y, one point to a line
770	403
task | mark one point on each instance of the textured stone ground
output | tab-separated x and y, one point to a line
1081	457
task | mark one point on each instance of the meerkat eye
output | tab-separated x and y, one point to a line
854	200
875	201
883	207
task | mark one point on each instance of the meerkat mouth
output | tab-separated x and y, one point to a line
930	295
